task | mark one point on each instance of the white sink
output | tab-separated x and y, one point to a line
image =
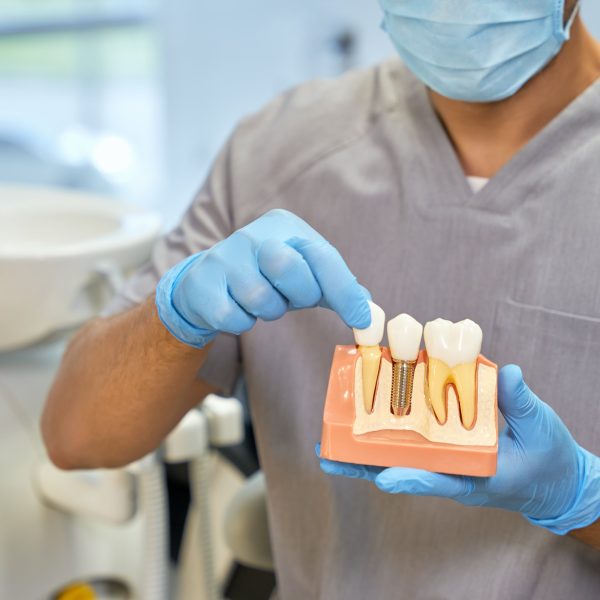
58	250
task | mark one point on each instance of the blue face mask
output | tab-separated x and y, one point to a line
476	50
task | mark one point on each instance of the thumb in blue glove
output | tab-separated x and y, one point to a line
542	472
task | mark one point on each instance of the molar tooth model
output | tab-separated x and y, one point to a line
452	351
434	409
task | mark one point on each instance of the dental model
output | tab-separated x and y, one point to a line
368	341
452	351
447	423
404	336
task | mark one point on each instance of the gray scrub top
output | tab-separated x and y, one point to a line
365	161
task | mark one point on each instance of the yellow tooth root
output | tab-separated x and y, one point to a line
371	361
463	377
438	375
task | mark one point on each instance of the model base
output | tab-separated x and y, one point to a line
394	443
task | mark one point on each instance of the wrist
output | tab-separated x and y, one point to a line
585	508
177	325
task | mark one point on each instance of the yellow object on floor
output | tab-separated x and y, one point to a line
78	591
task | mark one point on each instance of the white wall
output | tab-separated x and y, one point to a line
227	58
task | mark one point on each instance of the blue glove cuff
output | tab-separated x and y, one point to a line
586	507
178	325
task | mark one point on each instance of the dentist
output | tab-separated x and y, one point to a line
462	180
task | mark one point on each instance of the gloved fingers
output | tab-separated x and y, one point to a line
366	292
205	302
332	467
289	273
341	292
403	480
523	411
255	294
229	317
349	470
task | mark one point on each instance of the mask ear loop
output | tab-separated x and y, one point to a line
563	30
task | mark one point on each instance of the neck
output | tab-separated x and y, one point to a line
487	136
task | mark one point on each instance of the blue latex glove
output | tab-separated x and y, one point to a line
542	472
275	264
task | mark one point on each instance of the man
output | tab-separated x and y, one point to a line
384	165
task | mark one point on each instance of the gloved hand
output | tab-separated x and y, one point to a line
542	472
275	264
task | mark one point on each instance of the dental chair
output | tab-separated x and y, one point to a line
247	525
243	525
100	534
118	496
247	535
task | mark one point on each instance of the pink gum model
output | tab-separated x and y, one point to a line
387	447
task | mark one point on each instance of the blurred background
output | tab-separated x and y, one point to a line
125	103
136	96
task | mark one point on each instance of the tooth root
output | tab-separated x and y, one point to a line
371	361
438	375
368	341
463	377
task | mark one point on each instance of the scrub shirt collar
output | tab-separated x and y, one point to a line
562	137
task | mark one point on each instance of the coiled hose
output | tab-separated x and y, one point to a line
200	486
153	505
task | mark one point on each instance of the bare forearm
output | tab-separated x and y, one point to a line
124	383
589	535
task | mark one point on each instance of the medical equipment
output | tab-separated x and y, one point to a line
62	254
477	51
247	526
104	529
101	530
68	248
542	472
404	335
452	424
43	550
218	423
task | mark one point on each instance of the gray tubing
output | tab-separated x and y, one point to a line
200	486
153	504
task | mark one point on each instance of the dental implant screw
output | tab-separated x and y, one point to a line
403	373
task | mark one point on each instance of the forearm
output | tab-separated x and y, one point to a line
123	384
589	535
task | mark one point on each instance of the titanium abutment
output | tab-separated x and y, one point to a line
404	336
403	373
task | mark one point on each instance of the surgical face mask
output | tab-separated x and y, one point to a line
476	50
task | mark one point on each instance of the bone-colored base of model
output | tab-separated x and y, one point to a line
380	438
422	418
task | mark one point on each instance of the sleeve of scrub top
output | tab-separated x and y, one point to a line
207	221
267	151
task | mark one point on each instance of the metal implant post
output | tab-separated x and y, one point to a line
404	335
403	373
